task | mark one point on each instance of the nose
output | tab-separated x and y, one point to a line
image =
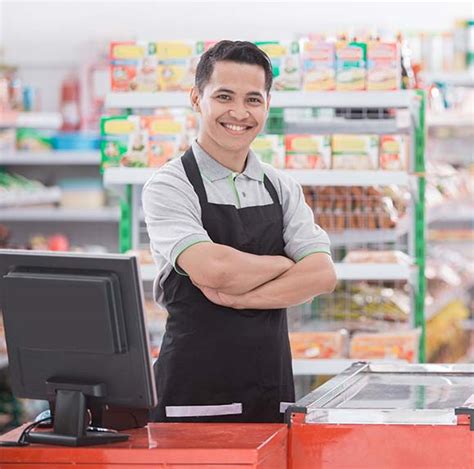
239	112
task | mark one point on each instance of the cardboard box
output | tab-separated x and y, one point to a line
270	149
393	153
308	151
351	71
355	152
383	66
318	65
286	65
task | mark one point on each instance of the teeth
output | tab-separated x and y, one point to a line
235	128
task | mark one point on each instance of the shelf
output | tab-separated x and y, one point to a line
332	366
116	176
328	99
51	214
17	199
347	126
452	211
147	100
344	272
449	119
32	120
455	78
66	158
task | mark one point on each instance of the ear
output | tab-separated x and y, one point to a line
194	97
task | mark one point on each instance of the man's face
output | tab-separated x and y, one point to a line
233	106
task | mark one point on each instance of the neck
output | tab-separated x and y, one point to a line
234	160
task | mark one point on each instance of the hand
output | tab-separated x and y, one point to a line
219	298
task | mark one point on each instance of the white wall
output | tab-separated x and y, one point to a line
46	38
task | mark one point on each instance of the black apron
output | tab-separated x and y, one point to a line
219	364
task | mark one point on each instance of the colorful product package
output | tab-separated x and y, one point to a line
393	153
270	149
318	65
133	66
355	152
124	142
34	139
351	71
314	345
285	62
308	151
383	66
177	63
167	137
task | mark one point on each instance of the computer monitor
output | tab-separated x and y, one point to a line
76	336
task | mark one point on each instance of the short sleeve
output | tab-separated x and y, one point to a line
172	213
301	234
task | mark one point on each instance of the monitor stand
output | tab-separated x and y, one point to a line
71	417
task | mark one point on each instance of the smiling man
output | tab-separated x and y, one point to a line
235	245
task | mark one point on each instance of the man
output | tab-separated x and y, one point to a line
235	245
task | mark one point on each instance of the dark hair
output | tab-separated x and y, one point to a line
234	51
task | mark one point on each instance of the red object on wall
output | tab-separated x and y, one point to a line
164	446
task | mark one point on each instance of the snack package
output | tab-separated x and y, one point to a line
34	139
308	151
318	65
351	66
177	63
355	152
124	142
133	66
318	344
167	137
285	62
270	149
393	152
383	66
401	345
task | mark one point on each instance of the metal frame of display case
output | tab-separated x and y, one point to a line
410	104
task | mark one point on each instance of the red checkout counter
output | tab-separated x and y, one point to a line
368	417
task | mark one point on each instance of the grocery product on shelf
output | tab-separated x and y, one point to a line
383	66
318	344
355	152
270	149
286	65
364	256
351	61
81	193
133	66
17	190
318	65
401	345
308	151
34	139
393	153
177	63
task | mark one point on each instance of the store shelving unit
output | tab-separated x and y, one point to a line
31	120
50	158
409	119
40	214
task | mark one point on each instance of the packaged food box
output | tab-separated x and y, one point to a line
133	66
355	152
318	344
177	63
167	137
34	139
401	345
351	71
383	66
393	153
270	149
308	151
124	142
318	65
285	59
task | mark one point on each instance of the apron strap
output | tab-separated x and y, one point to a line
194	175
271	189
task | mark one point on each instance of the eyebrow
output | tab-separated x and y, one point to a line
226	90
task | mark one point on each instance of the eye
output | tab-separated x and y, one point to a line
255	100
223	97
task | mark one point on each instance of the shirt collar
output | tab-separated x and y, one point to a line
214	171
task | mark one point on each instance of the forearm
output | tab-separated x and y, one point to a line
301	283
239	272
